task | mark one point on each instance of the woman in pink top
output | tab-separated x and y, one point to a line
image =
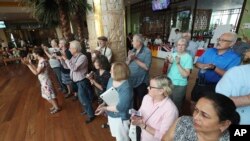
157	110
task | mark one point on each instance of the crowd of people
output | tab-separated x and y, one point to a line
220	96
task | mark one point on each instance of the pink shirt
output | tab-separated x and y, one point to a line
160	115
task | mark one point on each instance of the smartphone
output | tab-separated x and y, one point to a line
134	112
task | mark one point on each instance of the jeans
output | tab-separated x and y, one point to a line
84	97
57	71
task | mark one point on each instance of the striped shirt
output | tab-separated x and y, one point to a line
78	66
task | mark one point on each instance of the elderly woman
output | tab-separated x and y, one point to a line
78	66
118	116
212	116
157	110
180	67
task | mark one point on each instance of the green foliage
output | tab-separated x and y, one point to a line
47	11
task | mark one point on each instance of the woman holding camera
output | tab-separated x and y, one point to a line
158	112
99	79
118	116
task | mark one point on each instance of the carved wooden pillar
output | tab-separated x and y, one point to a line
108	19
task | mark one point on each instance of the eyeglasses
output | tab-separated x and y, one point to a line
151	87
223	40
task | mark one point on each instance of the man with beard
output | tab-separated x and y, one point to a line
214	63
235	85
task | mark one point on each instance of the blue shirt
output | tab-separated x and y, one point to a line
125	92
224	61
235	82
139	75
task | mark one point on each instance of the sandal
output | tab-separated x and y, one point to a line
52	108
55	110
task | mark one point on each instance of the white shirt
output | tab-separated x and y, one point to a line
107	53
234	83
158	41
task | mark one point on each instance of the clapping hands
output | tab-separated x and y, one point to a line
26	61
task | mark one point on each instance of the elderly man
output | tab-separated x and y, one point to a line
139	62
106	51
78	66
192	46
235	84
214	63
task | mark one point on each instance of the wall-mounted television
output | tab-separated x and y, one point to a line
2	24
160	4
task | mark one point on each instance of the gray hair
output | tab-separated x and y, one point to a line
233	35
139	38
165	83
182	40
77	45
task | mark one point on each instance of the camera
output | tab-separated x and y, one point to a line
58	53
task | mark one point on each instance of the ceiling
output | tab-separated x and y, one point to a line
11	11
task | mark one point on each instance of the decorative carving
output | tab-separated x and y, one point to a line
113	19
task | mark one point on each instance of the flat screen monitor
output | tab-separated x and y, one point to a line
160	4
2	24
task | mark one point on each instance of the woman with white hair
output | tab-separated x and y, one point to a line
181	64
78	66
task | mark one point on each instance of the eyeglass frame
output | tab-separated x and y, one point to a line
150	87
223	40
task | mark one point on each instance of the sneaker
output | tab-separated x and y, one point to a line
87	121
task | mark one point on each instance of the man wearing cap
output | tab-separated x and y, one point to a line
106	51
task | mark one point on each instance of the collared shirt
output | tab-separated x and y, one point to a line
235	83
106	51
78	66
224	61
125	92
139	75
160	116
